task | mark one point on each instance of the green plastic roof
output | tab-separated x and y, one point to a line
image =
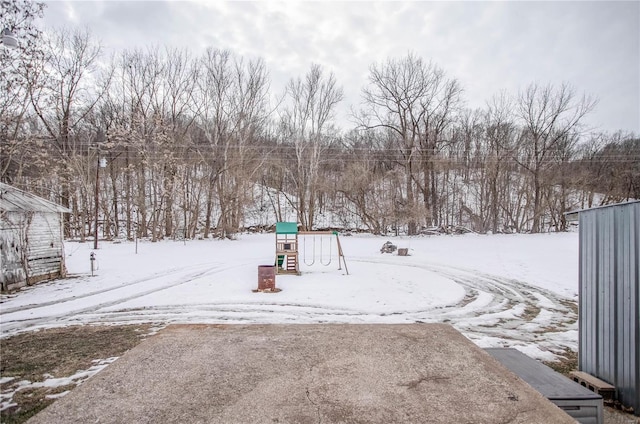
286	228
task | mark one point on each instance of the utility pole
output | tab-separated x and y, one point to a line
102	162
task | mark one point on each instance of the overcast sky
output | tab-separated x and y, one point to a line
487	46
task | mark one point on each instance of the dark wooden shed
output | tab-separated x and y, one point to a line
31	241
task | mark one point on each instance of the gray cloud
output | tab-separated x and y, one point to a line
488	46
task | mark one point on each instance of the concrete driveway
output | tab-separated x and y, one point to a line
332	373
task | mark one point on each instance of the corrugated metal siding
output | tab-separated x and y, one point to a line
609	298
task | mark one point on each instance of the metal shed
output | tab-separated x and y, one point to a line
609	303
31	248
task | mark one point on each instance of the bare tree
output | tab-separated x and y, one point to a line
305	122
193	146
248	113
65	96
214	85
178	85
17	16
233	95
500	138
370	181
146	135
415	101
607	168
549	115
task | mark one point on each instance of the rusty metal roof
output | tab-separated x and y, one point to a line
16	200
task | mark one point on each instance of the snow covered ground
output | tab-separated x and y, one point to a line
498	290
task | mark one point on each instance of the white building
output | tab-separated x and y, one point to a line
31	240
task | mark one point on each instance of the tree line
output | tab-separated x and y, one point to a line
199	145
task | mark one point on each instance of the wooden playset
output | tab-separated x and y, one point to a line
288	244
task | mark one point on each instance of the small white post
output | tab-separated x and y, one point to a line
92	258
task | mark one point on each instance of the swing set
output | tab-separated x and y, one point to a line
287	248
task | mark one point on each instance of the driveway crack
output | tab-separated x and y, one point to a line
308	393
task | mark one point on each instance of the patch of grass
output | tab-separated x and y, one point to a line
530	312
565	364
545	330
571	304
30	402
59	352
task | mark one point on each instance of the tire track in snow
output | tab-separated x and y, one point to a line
223	312
505	311
489	301
487	298
155	276
10	327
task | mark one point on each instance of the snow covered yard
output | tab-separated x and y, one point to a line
498	290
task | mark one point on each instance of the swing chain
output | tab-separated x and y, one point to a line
304	254
313	257
329	262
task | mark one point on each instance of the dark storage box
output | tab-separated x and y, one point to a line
266	277
580	403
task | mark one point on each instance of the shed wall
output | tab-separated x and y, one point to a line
610	298
34	239
11	244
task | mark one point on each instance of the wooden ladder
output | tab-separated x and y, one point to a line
291	262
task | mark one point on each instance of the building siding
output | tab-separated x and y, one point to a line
12	271
609	298
31	248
